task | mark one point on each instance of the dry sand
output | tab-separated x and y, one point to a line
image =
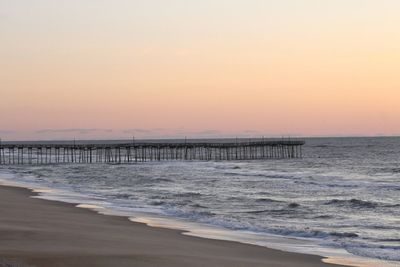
36	232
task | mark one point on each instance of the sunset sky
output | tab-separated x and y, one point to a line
209	68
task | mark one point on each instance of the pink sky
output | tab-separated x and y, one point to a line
113	69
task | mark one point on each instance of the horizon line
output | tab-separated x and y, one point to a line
2	140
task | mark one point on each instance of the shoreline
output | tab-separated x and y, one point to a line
41	232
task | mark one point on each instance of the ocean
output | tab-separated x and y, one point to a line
344	194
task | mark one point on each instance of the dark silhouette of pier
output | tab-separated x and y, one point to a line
58	153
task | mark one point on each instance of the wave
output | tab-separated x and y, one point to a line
122	196
390	253
188	194
193	215
392	205
290	208
199	206
346	234
234	198
395	170
390	187
320	146
157	203
354	203
294	205
268	200
257	211
388	170
206	213
390	240
323	217
358	203
314	234
290	176
162	180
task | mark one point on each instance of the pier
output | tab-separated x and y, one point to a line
118	153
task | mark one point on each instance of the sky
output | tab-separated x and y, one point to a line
213	68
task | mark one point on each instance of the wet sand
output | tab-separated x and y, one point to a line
37	232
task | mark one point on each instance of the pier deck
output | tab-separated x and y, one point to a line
46	153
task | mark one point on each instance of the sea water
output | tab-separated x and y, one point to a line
343	194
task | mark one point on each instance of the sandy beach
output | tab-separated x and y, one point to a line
36	232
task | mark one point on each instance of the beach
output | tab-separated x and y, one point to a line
37	232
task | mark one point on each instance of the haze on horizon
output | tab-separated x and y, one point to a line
113	69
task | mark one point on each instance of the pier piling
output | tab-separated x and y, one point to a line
20	154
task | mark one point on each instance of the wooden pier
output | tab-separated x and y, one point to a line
33	154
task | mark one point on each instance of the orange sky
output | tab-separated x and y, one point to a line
113	69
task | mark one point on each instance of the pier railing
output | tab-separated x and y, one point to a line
16	154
